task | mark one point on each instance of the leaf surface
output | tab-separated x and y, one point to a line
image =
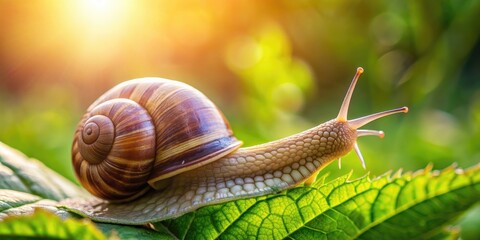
18	172
43	224
400	206
409	206
23	215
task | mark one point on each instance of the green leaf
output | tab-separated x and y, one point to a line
27	210
131	232
27	185
412	205
43	224
18	172
448	233
27	215
14	203
18	203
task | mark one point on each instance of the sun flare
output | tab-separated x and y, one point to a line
101	16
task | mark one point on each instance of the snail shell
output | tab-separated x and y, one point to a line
143	131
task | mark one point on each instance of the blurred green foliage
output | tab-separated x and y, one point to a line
274	67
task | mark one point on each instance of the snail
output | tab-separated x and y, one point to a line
152	149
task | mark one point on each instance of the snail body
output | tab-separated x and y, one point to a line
202	162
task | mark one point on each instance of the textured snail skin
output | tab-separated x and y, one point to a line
252	171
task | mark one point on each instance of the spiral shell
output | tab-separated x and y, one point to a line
144	131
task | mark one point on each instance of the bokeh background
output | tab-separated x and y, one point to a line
275	68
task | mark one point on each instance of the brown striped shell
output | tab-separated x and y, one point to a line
146	130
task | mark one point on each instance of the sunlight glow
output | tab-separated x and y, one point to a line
99	29
91	38
99	5
101	13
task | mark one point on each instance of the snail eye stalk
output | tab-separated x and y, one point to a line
361	121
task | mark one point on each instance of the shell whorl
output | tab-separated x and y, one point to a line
97	138
116	150
144	131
